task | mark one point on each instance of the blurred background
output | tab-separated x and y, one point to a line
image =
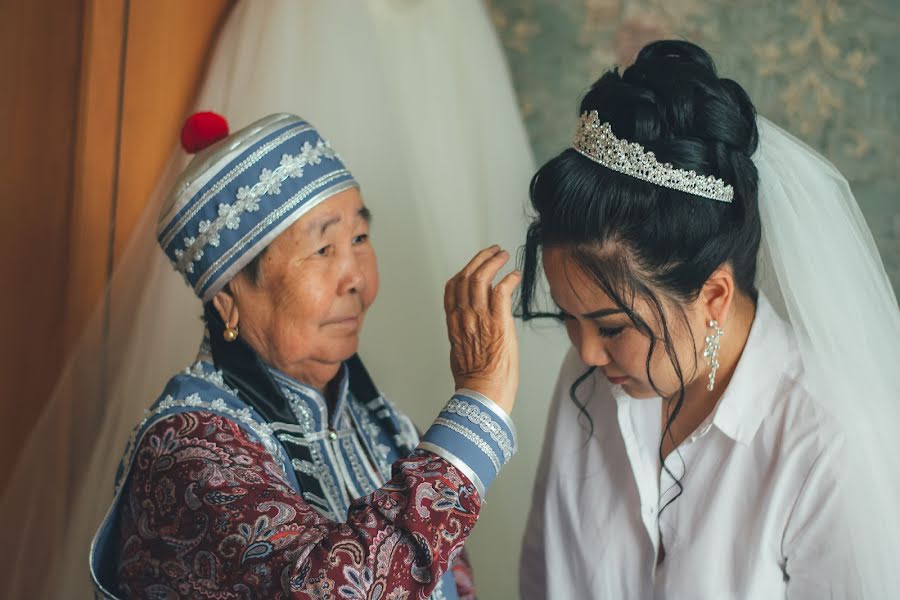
825	70
95	92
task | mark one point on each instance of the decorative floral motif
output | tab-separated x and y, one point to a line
262	430
485	421
173	229
213	236
358	582
238	529
469	435
195	254
212	376
247	200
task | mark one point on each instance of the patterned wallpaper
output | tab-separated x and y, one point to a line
826	70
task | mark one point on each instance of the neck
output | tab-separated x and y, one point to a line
324	378
317	376
699	402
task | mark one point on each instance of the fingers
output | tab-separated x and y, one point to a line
464	278
480	280
450	294
501	301
478	260
456	292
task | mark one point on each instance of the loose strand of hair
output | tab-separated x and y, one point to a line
582	406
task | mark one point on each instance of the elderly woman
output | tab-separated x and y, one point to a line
272	467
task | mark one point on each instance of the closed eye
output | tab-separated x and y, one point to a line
610	332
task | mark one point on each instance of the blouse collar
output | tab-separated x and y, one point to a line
308	401
753	388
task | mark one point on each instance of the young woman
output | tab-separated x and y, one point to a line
699	444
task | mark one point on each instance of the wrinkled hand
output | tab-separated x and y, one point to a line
484	352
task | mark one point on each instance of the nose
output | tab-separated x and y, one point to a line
353	280
592	350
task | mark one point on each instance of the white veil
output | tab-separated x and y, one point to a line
820	267
417	98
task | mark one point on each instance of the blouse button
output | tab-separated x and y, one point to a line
332	435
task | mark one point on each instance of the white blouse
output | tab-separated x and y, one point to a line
758	514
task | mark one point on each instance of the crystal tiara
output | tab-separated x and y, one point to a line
595	140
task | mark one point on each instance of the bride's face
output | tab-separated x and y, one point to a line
606	337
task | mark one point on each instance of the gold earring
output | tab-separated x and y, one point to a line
230	334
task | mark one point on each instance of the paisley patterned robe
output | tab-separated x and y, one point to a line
211	505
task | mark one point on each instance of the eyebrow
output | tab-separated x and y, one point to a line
604	312
596	314
322	225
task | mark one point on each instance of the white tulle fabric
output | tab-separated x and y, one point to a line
416	97
820	266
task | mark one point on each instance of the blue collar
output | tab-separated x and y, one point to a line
309	405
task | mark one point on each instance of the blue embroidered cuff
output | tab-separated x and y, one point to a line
474	435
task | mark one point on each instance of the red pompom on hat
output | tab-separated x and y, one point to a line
201	130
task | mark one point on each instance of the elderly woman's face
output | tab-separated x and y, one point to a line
316	282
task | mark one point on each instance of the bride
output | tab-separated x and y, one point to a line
724	425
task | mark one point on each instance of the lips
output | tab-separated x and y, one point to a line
348	320
616	380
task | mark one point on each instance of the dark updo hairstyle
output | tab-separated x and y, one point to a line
640	240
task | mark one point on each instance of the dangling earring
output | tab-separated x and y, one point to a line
230	333
711	353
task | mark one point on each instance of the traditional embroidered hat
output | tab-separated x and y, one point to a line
240	193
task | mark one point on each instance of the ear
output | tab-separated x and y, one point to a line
227	308
717	294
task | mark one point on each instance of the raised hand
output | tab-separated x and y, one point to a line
484	351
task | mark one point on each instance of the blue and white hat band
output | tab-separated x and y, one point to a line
239	195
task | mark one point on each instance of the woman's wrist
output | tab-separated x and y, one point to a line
500	396
473	434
